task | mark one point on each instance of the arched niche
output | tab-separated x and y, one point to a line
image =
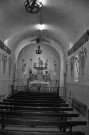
49	42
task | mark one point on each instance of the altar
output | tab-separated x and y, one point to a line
39	86
39	78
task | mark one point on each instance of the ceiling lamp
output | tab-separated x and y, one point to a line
38	51
33	6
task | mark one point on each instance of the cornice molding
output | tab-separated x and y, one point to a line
84	38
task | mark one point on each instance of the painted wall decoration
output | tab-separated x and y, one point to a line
4	53
72	66
81	62
76	68
83	56
84	38
4	60
10	65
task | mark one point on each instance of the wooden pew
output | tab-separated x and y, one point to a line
34	101
37	115
36	97
19	132
35	93
29	116
18	103
29	94
62	125
54	109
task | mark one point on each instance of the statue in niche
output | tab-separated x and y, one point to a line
4	59
23	65
83	56
40	63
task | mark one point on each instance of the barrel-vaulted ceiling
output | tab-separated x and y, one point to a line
65	21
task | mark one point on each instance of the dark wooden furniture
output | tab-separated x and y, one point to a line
19	132
29	109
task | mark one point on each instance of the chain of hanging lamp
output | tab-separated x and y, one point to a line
34	6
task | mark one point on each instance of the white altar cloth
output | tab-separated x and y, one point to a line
35	85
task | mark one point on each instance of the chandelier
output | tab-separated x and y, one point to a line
38	51
33	6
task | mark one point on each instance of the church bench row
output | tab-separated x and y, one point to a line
40	121
35	97
35	93
54	109
63	126
34	101
38	94
19	132
79	106
18	103
37	115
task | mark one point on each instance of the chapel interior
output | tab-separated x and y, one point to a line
44	67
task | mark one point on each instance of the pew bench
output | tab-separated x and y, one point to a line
62	125
54	109
82	108
36	98
29	94
37	115
61	109
17	103
47	115
19	132
34	101
35	93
